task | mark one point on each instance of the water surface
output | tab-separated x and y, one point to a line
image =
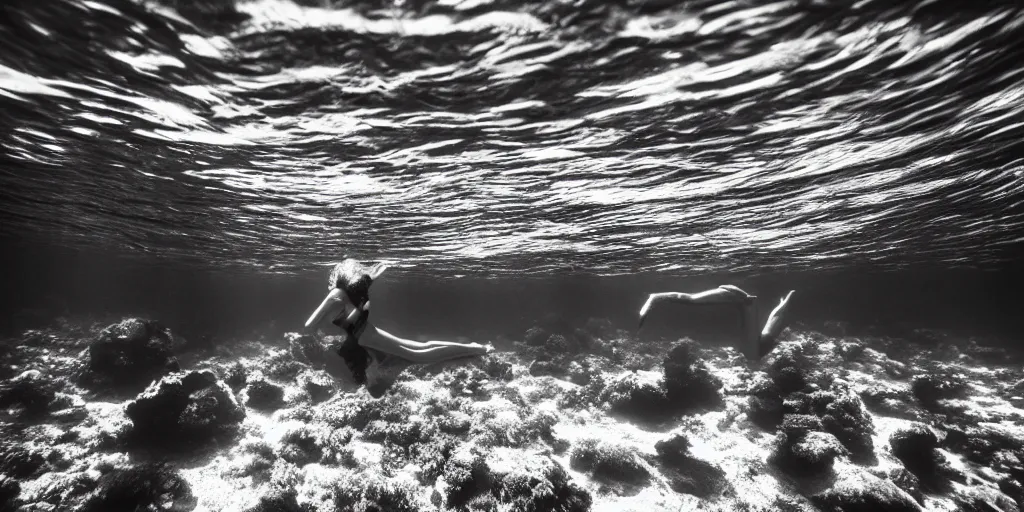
494	138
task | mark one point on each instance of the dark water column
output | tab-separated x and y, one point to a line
42	282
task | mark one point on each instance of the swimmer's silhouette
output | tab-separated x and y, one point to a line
375	356
754	345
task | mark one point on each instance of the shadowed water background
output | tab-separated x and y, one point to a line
508	139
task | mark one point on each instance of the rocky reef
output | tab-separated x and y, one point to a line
564	417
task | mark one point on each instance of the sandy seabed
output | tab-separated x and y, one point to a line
572	418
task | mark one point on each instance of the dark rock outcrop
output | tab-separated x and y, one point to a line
765	405
788	367
129	355
915	446
183	410
9	491
689	385
30	392
148	487
842	415
641	400
19	462
263	395
236	376
889	400
608	462
863	492
988	445
929	389
559	344
301	446
536	483
807	454
279	500
479	481
306	348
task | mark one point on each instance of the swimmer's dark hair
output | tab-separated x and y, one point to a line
354	279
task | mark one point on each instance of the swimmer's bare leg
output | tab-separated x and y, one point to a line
422	352
774	326
726	294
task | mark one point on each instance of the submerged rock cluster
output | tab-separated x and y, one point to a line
569	418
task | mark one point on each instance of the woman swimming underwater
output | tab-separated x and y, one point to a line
367	347
754	345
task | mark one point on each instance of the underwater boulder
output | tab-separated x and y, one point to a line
279	500
282	366
765	405
67	409
580	372
788	367
147	487
10	489
689	385
842	414
465	476
317	383
187	408
983	499
806	453
20	462
236	376
592	393
305	348
30	392
530	481
989	445
688	474
559	344
369	492
58	489
130	354
929	389
301	445
609	461
859	491
915	446
888	400
1012	487
263	395
903	479
638	399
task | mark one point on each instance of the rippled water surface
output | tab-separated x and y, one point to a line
492	136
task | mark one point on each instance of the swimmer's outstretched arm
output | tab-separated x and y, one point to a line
329	308
774	326
421	352
725	294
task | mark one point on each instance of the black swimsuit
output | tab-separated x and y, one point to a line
356	357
